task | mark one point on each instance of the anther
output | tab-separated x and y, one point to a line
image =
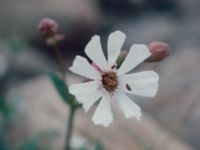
128	87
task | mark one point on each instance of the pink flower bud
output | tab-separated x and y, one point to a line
47	27
159	51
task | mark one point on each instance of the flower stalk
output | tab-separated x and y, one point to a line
48	29
70	127
72	106
60	61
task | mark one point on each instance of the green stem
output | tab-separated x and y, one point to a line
60	61
70	127
73	104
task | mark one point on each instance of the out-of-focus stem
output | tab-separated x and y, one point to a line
60	62
48	28
73	105
70	127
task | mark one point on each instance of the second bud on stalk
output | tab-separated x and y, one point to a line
159	51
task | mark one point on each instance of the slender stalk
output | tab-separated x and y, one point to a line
60	61
73	107
70	127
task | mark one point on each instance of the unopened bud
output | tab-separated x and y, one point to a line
159	51
47	27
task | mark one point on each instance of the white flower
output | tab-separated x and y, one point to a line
111	83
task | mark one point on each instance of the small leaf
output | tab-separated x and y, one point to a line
60	86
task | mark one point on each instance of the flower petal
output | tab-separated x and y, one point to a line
142	83
95	53
129	108
89	99
82	67
85	87
115	43
103	114
137	54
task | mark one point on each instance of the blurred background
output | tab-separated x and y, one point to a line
33	116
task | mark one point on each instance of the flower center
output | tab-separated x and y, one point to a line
109	81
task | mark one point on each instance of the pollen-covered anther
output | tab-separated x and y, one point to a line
109	81
113	67
128	87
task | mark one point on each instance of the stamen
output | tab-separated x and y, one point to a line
128	87
113	66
